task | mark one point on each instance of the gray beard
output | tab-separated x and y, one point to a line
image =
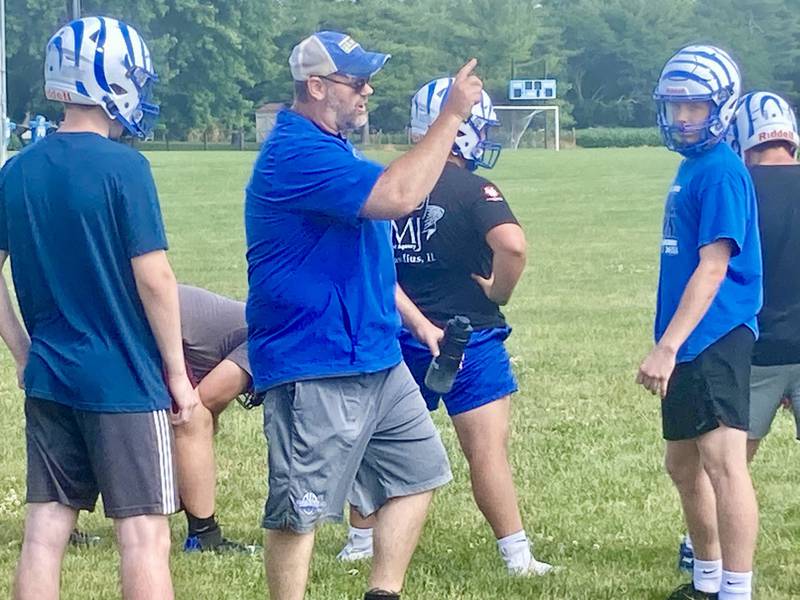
350	126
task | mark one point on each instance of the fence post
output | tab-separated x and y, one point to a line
205	139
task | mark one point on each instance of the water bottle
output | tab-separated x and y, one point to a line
443	368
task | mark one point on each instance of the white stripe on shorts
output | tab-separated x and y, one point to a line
169	502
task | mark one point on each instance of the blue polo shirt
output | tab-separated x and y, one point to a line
322	279
75	208
711	198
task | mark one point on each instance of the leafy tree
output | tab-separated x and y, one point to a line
218	60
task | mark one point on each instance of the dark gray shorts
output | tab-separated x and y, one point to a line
73	455
768	386
363	439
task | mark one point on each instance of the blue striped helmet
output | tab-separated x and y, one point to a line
99	61
762	117
697	74
471	143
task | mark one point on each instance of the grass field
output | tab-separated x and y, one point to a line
586	442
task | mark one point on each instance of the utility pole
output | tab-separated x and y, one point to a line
3	94
76	9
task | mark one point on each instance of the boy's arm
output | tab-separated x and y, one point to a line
657	367
11	330
158	291
222	384
507	242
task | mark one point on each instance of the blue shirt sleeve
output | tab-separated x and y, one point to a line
323	176
4	242
723	213
138	211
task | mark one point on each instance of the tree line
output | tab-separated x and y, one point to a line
217	60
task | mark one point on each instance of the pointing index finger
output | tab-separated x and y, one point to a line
467	69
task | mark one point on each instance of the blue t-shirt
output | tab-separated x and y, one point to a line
74	209
711	198
322	279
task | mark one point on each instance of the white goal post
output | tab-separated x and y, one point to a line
515	123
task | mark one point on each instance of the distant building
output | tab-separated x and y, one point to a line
265	119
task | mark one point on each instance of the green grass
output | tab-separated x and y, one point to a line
586	442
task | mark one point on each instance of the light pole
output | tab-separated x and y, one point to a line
76	9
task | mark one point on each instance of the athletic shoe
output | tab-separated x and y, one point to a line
351	552
687	592
83	538
212	541
535	568
685	557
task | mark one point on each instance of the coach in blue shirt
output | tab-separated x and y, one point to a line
343	418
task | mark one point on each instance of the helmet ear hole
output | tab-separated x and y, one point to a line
118	89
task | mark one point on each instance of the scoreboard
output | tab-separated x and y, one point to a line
532	89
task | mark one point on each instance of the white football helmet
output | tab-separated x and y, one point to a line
762	117
472	143
697	74
103	62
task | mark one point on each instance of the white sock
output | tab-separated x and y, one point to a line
515	550
736	586
360	538
707	575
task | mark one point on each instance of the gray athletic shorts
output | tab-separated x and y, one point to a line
73	455
363	439
767	386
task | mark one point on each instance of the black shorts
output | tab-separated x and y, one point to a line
73	455
713	388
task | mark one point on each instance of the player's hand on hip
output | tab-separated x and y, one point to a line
465	91
486	284
184	399
656	369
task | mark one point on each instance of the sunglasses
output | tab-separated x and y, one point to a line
357	84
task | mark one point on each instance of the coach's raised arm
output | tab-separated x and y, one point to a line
408	179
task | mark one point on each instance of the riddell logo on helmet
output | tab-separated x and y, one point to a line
778	134
677	90
58	95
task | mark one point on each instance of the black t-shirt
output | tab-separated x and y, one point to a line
778	191
440	244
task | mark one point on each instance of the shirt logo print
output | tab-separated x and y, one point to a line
669	236
418	228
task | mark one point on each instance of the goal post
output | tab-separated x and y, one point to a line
528	126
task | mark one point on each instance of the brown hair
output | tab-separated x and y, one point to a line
764	146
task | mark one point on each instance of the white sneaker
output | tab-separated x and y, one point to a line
533	568
352	553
